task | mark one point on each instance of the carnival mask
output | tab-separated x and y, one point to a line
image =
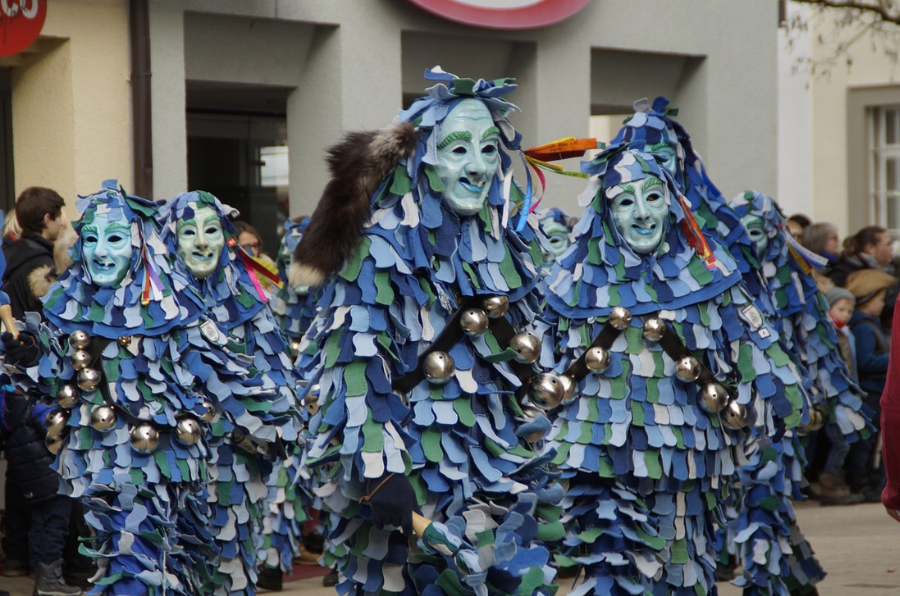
557	239
468	156
667	157
758	234
107	250
200	242
640	211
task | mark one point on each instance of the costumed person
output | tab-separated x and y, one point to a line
834	400
294	307
890	424
250	442
666	363
127	422
423	354
556	226
654	130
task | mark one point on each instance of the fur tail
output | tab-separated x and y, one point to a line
358	165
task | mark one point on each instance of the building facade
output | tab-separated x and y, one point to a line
246	95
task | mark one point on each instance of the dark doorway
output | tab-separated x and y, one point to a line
237	150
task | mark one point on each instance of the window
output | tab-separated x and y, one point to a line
884	168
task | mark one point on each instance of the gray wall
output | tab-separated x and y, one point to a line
348	64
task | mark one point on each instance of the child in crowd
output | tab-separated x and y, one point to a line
832	486
869	287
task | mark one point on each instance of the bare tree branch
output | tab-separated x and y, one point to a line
884	9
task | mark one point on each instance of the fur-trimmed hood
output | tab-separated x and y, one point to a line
358	164
40	279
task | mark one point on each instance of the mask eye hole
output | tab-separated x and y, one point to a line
459	150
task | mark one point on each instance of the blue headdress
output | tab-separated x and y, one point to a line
231	291
600	271
150	300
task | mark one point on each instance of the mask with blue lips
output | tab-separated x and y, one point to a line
107	249
200	242
640	211
468	153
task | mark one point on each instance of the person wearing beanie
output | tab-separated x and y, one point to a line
833	488
869	287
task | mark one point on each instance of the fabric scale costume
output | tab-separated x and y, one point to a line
249	441
130	428
753	524
667	361
422	356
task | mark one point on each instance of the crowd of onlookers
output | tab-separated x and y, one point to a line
860	284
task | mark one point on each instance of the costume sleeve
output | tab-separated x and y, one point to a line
867	360
890	421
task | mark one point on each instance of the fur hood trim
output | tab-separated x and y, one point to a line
40	279
358	165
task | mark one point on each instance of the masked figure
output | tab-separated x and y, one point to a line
249	441
666	363
129	417
653	130
422	358
556	226
812	341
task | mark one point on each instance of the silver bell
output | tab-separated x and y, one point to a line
495	306
67	396
56	422
474	321
735	416
546	392
188	430
103	418
527	347
54	443
654	329
81	360
597	359
687	368
569	385
714	397
88	379
144	438
620	318
210	415
438	367
79	339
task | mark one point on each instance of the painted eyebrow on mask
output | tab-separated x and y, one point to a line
651	182
454	136
491	131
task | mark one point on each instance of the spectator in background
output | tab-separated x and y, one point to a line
869	287
869	248
39	212
252	243
822	238
796	224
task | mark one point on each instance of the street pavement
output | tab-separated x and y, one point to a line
858	545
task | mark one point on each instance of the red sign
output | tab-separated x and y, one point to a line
503	14
20	24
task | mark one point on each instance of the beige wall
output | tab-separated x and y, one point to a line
837	103
71	101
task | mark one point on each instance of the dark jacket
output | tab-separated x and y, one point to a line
23	256
872	352
22	436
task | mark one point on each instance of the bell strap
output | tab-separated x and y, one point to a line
452	332
675	349
608	334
